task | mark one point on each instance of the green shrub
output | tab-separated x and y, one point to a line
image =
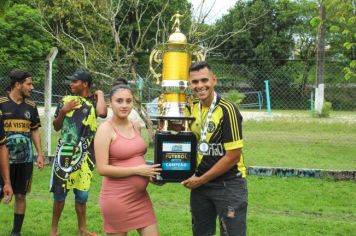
325	111
235	96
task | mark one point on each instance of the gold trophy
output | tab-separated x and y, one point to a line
176	152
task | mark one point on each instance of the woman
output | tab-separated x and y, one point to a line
119	151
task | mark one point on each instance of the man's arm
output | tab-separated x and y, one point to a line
228	161
5	174
101	109
36	137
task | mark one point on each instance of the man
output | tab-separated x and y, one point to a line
21	124
5	184
74	161
218	187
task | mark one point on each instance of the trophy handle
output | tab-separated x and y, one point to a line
155	57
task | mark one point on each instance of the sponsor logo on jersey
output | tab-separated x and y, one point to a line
27	114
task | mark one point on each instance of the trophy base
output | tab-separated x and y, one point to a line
177	155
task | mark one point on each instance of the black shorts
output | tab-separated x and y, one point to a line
21	177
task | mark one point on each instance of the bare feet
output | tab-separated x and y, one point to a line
54	233
86	233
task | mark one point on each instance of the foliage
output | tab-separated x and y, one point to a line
21	40
343	20
340	22
235	96
267	41
268	36
325	111
108	37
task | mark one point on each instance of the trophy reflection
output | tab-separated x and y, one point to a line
175	151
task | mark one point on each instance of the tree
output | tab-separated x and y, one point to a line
267	42
107	37
22	42
305	38
320	60
342	27
213	37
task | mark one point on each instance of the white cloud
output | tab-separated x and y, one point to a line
218	8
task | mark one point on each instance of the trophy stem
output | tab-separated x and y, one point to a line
186	126
165	126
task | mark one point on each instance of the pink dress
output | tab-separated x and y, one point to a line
124	202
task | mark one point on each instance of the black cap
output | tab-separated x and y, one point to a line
80	74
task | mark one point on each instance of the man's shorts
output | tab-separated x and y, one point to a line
21	177
80	196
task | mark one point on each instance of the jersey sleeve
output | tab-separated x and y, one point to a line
232	128
35	121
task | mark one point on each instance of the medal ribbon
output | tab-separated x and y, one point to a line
204	129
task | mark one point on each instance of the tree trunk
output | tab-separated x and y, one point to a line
307	68
320	60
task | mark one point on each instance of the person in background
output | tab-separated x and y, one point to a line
6	192
74	162
218	187
21	125
119	151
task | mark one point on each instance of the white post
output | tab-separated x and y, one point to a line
48	102
319	98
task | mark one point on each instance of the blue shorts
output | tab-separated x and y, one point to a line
80	196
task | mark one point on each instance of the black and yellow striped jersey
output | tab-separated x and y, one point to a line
19	122
224	133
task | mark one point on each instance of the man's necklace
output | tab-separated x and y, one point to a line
203	146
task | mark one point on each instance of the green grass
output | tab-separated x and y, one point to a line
294	139
277	206
285	143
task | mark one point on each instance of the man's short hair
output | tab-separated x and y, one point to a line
196	66
18	76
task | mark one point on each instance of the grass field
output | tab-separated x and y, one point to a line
277	206
286	143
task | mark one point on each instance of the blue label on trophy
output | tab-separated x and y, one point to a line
176	155
175	164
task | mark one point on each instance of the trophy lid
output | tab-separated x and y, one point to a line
177	37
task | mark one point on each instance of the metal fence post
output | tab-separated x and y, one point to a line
312	101
267	98
48	101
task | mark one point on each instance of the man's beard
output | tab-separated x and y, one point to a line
24	95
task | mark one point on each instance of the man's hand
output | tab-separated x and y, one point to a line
69	106
40	162
193	182
8	193
98	93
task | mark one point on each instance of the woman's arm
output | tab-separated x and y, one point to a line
102	141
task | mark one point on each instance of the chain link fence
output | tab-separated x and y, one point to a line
291	85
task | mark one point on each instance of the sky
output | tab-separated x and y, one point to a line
220	8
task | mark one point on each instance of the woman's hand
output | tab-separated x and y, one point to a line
149	170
